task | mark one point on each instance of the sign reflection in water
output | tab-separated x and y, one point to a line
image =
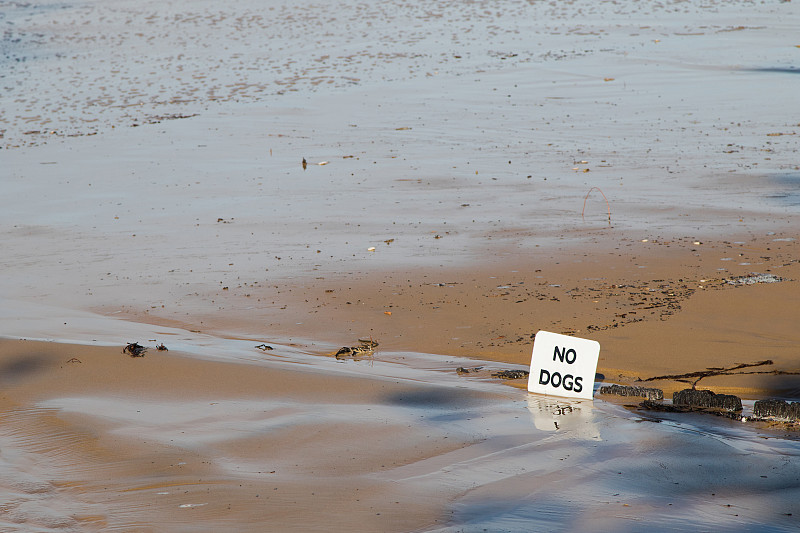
575	417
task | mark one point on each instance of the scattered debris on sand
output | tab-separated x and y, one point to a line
264	347
626	390
134	349
162	348
156	119
754	278
462	370
511	374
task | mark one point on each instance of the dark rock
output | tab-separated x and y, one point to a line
511	374
706	399
777	409
625	390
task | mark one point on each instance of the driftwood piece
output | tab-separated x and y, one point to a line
734	370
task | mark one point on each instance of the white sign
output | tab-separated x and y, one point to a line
563	366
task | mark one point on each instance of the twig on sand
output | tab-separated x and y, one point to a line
686	378
608	206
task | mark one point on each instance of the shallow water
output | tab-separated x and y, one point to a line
526	461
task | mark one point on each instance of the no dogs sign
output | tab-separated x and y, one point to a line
563	366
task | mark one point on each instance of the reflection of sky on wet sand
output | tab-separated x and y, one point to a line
524	462
606	469
486	128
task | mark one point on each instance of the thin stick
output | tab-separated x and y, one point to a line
604	198
716	372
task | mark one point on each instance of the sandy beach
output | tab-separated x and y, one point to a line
255	185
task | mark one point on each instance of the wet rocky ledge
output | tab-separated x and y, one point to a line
706	401
627	390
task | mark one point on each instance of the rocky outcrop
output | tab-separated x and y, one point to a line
652	405
777	409
706	399
625	390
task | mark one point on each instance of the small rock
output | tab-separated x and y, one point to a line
134	349
366	348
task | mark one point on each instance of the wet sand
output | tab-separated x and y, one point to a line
94	440
218	433
657	308
97	440
473	174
